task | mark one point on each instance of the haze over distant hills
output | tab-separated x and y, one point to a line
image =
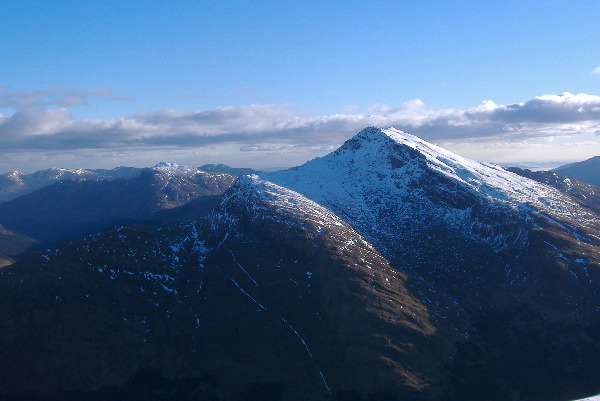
390	269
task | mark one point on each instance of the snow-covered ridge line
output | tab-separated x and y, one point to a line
284	200
386	160
486	178
492	180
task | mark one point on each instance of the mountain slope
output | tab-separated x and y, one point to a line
586	171
587	194
262	299
68	209
223	168
390	269
15	184
479	244
412	199
13	244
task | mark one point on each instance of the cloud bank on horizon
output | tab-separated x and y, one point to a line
560	127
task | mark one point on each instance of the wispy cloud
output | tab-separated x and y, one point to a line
275	128
56	96
596	71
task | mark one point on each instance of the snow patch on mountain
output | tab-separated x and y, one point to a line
493	181
267	196
595	398
261	200
174	169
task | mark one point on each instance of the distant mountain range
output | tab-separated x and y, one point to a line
76	203
15	184
390	269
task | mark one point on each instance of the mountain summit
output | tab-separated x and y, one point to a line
390	269
389	160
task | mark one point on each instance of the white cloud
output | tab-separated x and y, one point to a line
596	71
34	122
274	129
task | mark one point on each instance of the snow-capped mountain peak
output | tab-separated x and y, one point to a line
401	148
174	169
395	163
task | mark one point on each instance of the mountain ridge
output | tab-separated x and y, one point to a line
432	189
14	184
389	269
67	209
585	170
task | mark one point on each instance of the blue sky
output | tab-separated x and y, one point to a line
275	83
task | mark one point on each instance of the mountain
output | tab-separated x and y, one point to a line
15	184
411	198
586	171
479	244
222	168
585	193
261	301
71	208
390	269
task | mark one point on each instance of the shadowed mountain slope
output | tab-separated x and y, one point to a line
261	297
68	209
587	171
15	184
